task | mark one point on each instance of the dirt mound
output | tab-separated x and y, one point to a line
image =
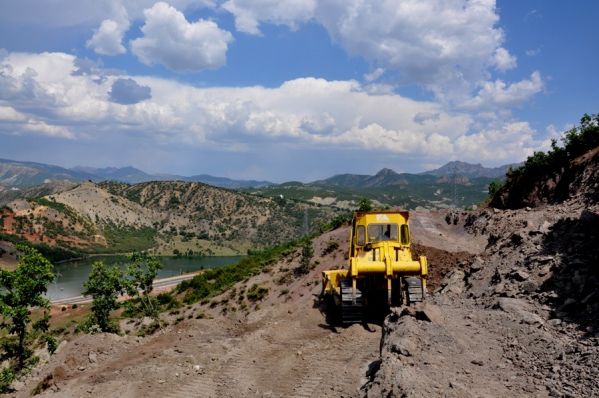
441	262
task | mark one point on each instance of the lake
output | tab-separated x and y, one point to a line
70	276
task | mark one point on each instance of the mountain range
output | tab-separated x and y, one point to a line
26	174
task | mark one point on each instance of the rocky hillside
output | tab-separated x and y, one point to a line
570	170
522	317
168	217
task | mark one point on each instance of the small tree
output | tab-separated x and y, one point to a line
22	291
104	284
365	204
494	186
307	254
140	275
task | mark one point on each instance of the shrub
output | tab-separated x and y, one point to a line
330	248
256	293
306	256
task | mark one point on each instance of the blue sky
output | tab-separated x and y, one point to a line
288	89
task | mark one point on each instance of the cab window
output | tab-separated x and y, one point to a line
379	232
361	238
405	234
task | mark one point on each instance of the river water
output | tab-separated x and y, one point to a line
70	276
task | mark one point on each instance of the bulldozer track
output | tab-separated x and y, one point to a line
351	311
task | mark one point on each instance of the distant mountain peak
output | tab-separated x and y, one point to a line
471	170
386	172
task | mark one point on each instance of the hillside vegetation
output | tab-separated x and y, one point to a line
169	217
558	174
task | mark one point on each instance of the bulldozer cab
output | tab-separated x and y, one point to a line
368	229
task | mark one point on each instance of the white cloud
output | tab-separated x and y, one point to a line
499	142
170	40
9	114
68	13
249	13
446	45
303	112
374	75
499	93
504	60
107	39
40	127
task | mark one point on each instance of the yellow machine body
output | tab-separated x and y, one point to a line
380	257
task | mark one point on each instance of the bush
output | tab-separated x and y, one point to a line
330	248
307	253
256	293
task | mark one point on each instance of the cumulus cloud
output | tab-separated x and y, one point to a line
305	111
249	13
499	93
503	60
170	40
446	45
107	39
128	91
67	13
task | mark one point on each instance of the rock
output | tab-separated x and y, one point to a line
545	227
404	346
429	312
477	265
518	309
477	362
519	275
530	287
544	271
454	282
81	368
93	358
554	322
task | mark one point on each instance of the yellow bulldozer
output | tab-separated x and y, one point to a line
381	272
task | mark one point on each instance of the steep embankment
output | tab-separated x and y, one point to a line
167	216
521	319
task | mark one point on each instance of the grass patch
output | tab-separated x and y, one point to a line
127	239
